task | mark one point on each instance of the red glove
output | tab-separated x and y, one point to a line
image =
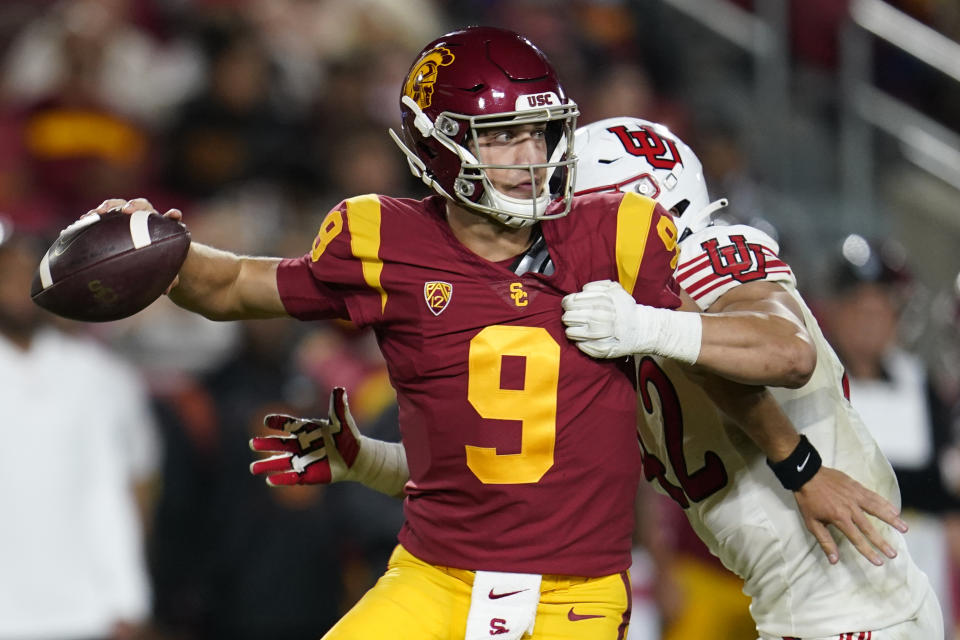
317	451
327	450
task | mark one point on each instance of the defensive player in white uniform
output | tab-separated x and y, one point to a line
734	502
738	507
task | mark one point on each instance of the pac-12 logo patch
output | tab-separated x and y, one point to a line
437	294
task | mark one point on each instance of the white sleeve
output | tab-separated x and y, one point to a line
133	424
721	257
142	435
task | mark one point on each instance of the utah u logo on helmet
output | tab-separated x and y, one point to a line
646	142
419	85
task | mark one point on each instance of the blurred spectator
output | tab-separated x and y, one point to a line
82	88
77	488
726	164
363	160
624	87
74	151
239	128
337	28
945	348
893	391
73	148
945	372
126	67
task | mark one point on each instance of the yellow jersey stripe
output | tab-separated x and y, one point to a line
363	218
633	226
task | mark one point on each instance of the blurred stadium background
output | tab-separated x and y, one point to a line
817	118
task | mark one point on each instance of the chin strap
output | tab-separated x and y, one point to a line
420	120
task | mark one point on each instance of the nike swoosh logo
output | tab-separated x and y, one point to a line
574	617
803	464
497	596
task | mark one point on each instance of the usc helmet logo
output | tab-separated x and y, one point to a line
419	84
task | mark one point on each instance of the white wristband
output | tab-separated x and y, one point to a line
381	465
671	334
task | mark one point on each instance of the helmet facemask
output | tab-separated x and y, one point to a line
472	188
557	171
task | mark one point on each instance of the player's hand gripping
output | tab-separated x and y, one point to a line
137	204
129	206
328	450
606	322
831	497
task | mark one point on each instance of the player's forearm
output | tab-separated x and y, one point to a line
747	347
757	414
755	334
756	348
224	286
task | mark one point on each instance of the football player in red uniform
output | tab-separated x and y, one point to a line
522	450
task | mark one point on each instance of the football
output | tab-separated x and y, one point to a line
109	266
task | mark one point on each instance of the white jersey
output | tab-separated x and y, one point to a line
733	500
79	435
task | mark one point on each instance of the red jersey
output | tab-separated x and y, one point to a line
522	450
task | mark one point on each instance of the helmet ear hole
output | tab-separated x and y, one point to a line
681	206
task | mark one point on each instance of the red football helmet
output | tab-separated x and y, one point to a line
476	79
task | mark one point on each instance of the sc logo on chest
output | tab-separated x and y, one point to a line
518	295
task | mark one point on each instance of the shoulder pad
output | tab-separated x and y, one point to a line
720	257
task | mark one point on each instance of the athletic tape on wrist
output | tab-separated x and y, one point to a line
678	334
801	465
381	466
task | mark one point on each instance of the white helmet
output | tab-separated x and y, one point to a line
630	154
